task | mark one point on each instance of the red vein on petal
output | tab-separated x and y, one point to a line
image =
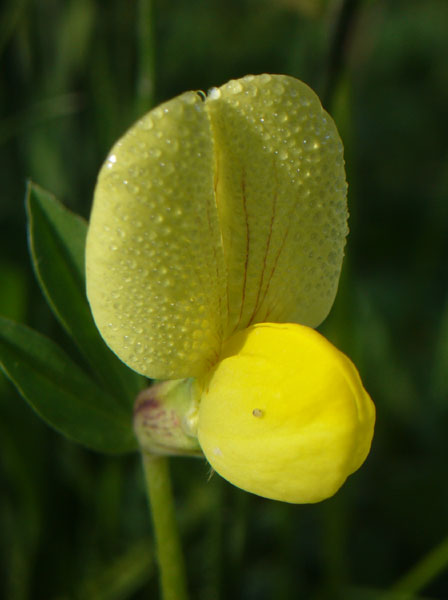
289	221
216	179
273	269
215	186
257	305
246	261
215	196
220	330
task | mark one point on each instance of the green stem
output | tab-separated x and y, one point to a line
339	46
145	56
169	553
424	571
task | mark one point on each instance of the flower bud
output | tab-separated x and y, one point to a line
165	416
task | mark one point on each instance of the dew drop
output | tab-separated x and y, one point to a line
190	98
111	161
214	93
278	89
234	87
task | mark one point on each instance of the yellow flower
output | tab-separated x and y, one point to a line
284	414
215	214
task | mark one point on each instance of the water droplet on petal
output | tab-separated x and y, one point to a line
234	87
278	89
214	93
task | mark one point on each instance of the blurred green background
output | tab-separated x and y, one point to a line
74	75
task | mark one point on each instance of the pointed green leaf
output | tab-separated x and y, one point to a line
57	241
60	392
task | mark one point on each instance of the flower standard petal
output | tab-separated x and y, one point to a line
252	178
281	198
154	261
284	414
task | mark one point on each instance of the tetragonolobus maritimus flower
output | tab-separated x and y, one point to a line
214	248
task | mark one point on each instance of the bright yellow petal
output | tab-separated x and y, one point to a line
154	261
284	414
281	197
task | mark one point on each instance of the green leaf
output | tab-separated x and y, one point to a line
61	393
57	241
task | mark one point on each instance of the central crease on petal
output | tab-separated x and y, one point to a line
212	215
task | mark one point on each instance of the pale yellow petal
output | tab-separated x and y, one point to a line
281	197
284	414
209	216
155	276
